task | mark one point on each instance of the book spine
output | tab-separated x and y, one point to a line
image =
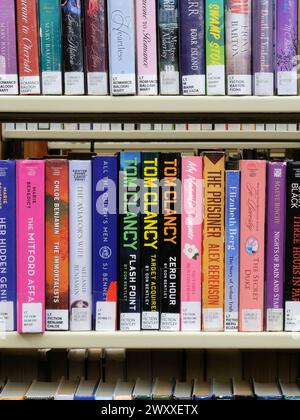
28	49
292	258
9	84
30	183
287	36
192	47
191	243
121	41
105	225
146	40
50	46
57	245
130	242
8	278
298	67
170	264
252	245
213	242
275	251
215	47
96	47
263	47
238	47
72	47
150	243
168	31
80	245
232	257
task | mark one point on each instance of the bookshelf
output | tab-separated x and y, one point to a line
151	340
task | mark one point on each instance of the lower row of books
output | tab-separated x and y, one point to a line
158	389
149	241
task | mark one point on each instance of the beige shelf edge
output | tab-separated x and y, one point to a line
151	340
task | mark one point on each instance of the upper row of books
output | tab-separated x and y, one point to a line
167	47
149	241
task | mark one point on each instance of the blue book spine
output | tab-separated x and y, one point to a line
192	46
121	41
232	250
8	287
105	223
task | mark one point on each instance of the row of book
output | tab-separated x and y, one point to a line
149	241
167	47
150	127
158	389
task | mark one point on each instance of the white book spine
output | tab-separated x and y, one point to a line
180	127
56	126
145	127
10	126
129	127
21	126
194	127
116	127
207	127
71	126
80	179
44	126
220	127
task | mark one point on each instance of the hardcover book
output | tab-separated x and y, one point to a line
192	47
263	47
168	31
232	249
72	46
28	48
121	41
130	242
213	241
57	245
30	176
8	283
150	243
252	245
105	225
276	218
146	47
191	243
170	258
292	273
96	47
80	244
50	46
215	48
286	47
238	47
9	84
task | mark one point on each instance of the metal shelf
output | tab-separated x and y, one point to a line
156	109
151	340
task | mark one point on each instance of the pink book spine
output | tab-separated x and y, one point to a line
252	245
146	41
31	246
191	236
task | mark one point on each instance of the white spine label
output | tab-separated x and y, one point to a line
191	316
57	320
106	316
81	319
74	83
32	316
213	319
130	322
169	83
292	316
147	85
97	83
9	84
239	84
264	84
6	316
150	320
251	320
232	321
287	83
193	85
52	83
123	84
30	85
170	322
275	320
216	80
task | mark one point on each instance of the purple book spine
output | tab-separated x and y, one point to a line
192	44
8	49
276	211
287	46
263	47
